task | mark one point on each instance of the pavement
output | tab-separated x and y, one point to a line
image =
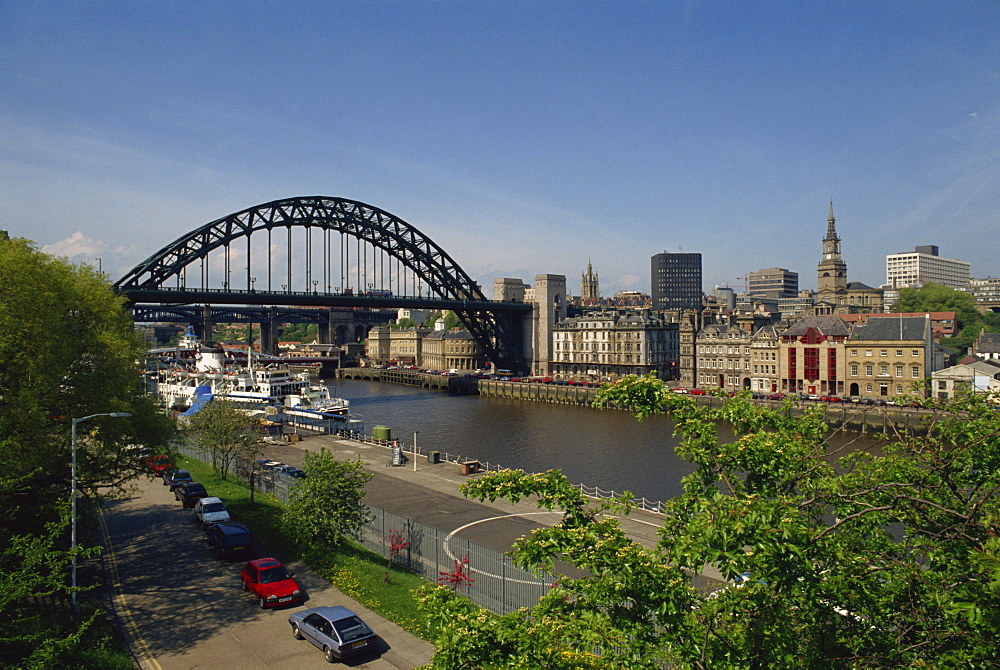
182	609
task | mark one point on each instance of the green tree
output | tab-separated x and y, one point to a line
858	560
228	433
326	505
933	297
67	349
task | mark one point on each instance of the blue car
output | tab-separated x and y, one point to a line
337	631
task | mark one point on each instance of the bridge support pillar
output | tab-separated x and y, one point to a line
269	335
204	329
326	329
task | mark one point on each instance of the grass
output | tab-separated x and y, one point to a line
353	569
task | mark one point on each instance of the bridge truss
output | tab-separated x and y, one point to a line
323	251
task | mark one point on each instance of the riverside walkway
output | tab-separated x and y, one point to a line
429	494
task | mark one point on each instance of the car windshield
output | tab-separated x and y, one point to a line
272	575
213	507
195	490
351	628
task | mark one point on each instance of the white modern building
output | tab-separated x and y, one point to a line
922	265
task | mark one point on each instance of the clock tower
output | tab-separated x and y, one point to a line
832	270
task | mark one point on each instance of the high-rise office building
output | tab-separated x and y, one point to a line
773	283
923	265
676	281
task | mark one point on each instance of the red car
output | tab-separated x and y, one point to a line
159	464
696	392
270	582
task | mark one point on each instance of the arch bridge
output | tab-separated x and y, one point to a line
324	252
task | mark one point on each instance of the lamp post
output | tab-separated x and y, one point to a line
72	595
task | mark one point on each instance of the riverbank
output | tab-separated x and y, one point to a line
863	419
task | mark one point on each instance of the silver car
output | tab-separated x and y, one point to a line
337	631
210	510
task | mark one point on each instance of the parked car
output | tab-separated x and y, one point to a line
696	391
269	581
174	478
159	464
230	540
189	492
337	631
776	396
210	510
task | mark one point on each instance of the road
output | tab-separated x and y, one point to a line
183	609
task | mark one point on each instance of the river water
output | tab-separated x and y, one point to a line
603	448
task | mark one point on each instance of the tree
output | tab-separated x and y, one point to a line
326	505
933	297
67	350
836	560
228	433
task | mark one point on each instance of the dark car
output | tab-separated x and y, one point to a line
337	631
270	582
189	492
174	478
230	540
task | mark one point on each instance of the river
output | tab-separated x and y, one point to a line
607	449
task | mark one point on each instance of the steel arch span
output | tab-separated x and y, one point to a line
416	256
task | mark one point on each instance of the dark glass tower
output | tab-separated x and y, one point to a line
675	281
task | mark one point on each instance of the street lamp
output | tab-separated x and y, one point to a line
72	595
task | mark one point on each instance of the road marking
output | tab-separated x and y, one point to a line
447	548
121	606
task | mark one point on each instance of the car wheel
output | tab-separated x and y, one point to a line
296	633
328	655
263	603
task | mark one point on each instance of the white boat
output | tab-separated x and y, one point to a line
253	385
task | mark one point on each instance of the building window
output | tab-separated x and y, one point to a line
885	352
883	370
854	369
868	388
869	370
915	352
868	352
899	352
915	372
899	370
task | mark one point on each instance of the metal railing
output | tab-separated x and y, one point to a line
645	504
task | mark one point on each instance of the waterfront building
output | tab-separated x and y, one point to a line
590	291
923	265
811	359
386	344
610	344
972	375
773	283
691	322
676	281
764	351
451	349
723	357
889	357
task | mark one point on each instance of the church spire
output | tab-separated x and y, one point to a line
831	229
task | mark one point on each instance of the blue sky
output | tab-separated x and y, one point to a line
522	137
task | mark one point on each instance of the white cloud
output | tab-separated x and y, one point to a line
75	245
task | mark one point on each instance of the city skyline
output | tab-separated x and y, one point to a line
524	139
